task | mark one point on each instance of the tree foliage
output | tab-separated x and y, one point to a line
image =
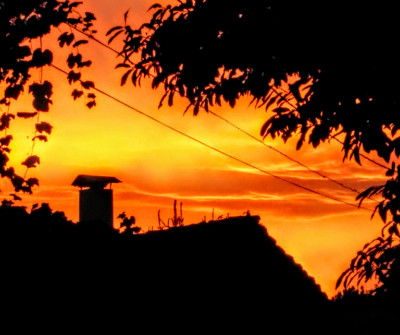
128	224
22	22
343	56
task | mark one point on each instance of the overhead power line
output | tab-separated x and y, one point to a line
332	137
284	98
285	155
93	38
110	96
245	132
366	157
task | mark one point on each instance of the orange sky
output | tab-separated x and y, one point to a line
157	165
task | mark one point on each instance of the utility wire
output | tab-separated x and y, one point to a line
285	155
290	104
93	38
243	131
332	137
216	149
366	157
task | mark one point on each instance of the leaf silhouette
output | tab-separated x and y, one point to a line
40	138
26	115
73	76
113	29
126	15
44	89
41	58
87	84
156	5
13	91
265	127
15	197
65	39
280	110
86	63
171	98
32	182
196	108
125	77
44	127
5	120
89	17
41	93
114	36
31	161
122	65
76	94
91	104
80	42
72	60
356	155
75	4
6	140
41	104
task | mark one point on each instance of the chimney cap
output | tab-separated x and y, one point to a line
94	181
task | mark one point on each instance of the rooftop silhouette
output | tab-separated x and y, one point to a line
217	277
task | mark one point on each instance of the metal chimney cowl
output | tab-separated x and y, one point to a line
95	201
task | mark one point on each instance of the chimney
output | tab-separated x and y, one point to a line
95	200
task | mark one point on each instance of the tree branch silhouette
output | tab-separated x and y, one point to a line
21	23
346	77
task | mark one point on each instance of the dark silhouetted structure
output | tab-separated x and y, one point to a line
95	201
221	277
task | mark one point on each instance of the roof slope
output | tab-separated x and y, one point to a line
218	277
239	247
231	270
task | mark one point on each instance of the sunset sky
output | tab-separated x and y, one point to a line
157	165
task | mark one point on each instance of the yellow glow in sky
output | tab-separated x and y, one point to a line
157	165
